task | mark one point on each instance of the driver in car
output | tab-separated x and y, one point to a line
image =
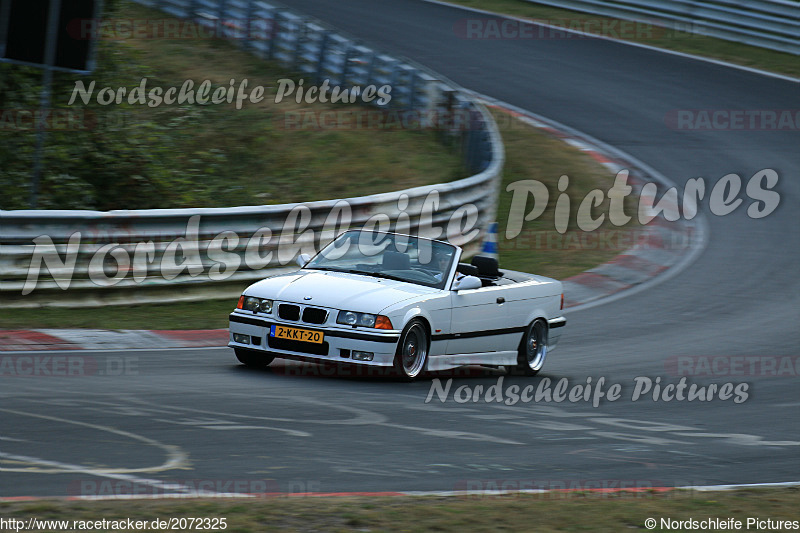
441	261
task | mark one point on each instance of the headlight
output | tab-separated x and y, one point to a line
348	317
351	318
251	303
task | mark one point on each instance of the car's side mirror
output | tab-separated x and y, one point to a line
466	283
303	260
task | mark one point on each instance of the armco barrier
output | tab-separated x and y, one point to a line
773	24
69	258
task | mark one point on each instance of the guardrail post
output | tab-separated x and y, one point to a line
248	25
348	53
444	115
300	41
261	37
274	32
323	48
221	10
371	68
412	90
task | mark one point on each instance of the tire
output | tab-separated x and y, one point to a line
253	359
412	350
532	350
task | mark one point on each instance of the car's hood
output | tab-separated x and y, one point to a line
351	292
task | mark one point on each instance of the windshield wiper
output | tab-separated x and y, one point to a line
378	275
329	269
362	272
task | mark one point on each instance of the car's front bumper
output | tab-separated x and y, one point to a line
338	343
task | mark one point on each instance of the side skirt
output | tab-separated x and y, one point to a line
446	362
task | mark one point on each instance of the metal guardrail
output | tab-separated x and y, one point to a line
773	24
69	258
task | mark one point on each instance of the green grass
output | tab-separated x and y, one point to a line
555	512
670	39
271	163
211	314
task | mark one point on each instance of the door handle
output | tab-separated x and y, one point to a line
501	300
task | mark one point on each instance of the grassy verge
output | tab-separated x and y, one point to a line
671	39
543	513
539	248
211	314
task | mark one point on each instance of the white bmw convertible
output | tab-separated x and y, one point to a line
391	300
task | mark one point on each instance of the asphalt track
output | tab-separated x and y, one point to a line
195	418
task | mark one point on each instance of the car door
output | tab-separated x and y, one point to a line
479	321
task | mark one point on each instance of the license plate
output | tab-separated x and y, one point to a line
296	334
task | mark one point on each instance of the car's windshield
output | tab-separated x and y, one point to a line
388	255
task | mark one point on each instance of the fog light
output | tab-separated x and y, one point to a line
362	356
241	339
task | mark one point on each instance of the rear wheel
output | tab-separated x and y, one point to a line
253	359
412	352
532	350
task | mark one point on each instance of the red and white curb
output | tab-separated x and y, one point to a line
90	339
389	494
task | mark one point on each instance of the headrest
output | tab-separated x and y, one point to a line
467	270
487	266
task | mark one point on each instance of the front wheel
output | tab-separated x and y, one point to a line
412	351
532	349
253	359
